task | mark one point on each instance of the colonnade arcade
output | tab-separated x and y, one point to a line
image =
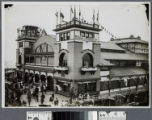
39	78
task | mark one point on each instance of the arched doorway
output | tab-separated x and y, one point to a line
50	83
37	78
63	60
43	79
31	78
20	59
87	60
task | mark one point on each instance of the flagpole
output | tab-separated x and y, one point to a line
70	14
98	18
57	18
60	16
74	12
93	17
79	12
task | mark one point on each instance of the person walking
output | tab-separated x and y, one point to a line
56	101
37	93
42	98
42	89
29	96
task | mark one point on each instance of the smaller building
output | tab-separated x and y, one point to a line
124	72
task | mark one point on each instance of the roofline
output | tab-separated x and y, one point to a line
129	38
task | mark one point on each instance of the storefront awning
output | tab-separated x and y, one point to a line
66	82
127	71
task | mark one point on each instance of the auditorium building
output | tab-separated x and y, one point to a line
76	60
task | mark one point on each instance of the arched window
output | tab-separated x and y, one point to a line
87	60
20	59
44	48
63	60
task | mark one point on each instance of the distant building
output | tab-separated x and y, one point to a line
76	61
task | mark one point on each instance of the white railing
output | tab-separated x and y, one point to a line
62	68
88	69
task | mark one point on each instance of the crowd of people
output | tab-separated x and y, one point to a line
15	91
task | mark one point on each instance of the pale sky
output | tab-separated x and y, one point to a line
122	20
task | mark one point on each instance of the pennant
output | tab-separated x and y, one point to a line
79	12
61	15
93	18
98	16
56	14
72	10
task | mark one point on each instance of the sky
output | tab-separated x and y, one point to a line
120	19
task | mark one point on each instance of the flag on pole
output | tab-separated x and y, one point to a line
61	15
98	16
93	18
72	10
79	12
74	13
71	13
56	14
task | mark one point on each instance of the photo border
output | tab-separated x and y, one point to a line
77	107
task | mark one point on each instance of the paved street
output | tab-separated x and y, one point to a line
62	100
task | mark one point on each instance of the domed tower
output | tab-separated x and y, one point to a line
78	55
27	36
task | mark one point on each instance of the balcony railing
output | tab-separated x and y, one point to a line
88	69
27	36
92	70
77	22
18	65
61	68
85	39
